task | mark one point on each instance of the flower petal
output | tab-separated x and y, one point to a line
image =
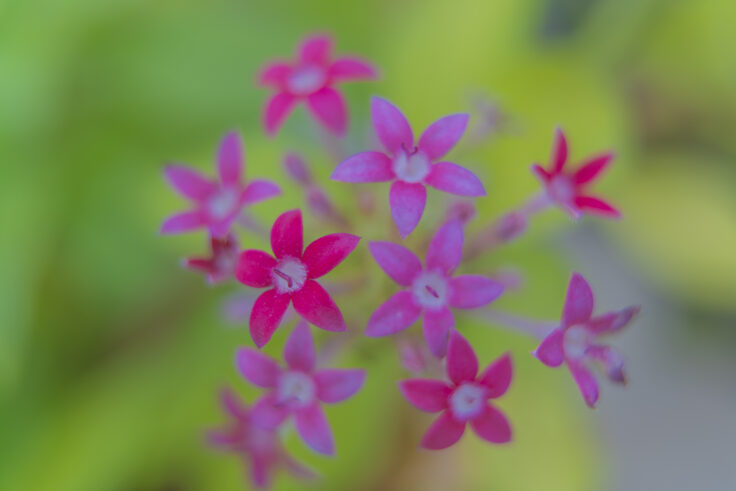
398	262
277	110
268	413
316	49
322	255
446	249
444	432
578	302
426	395
230	159
436	327
407	203
442	135
189	183
612	361
596	206
492	426
257	368
497	376
395	314
184	222
299	351
259	190
286	235
337	385
254	268
586	383
550	351
261	469
472	291
454	179
231	403
349	68
462	364
541	173
611	322
592	168
328	106
316	306
559	151
312	426
391	126
275	74
364	167
266	315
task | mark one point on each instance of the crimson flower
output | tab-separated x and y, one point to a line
221	264
292	274
311	78
568	189
410	167
464	399
576	341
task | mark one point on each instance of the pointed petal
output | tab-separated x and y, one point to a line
462	364
497	376
299	352
541	173
472	291
391	126
277	110
436	327
337	385
442	135
184	222
613	321
312	426
261	470
259	190
364	167
596	206
230	159
189	183
492	426
316	49
274	74
286	235
611	360
254	268
231	403
453	179
444	432
316	306
257	368
328	106
395	314
426	395
268	413
559	151
586	383
446	249
592	168
350	68
266	315
578	302
398	262
322	255
550	351
407	203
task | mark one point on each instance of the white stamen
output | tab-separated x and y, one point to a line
468	401
430	290
296	389
306	80
289	275
411	166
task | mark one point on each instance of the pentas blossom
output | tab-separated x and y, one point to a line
410	167
431	289
577	341
291	277
311	78
216	203
298	390
221	264
260	448
464	399
569	189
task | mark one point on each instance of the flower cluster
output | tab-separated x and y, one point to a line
294	276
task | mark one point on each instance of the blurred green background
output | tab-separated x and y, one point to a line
111	355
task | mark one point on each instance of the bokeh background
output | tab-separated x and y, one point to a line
111	355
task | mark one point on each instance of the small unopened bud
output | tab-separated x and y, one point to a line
297	169
510	226
464	211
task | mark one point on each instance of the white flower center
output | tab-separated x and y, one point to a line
296	389
561	189
430	290
576	342
468	401
289	275
411	167
306	80
222	203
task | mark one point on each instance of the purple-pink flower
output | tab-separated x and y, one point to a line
299	389
431	289
291	276
577	341
216	203
410	167
464	399
221	264
311	78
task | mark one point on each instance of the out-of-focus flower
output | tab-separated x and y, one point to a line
576	341
221	264
464	399
216	204
292	274
411	168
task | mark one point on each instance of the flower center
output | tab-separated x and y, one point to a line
468	401
430	290
306	80
296	389
561	189
289	275
411	166
221	204
576	342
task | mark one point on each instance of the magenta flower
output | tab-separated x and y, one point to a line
292	274
431	290
298	389
216	204
569	189
411	167
258	447
311	78
464	399
221	264
575	342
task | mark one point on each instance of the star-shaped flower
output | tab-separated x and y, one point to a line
292	274
568	189
311	78
259	447
576	341
464	399
410	167
221	264
216	204
431	290
299	389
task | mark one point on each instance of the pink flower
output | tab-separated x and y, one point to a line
292	275
575	342
216	204
431	290
298	389
569	189
411	167
259	447
464	399
221	265
311	78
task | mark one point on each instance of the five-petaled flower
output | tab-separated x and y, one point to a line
311	78
411	167
217	204
292	274
299	389
259	447
221	264
575	342
569	189
464	399
431	289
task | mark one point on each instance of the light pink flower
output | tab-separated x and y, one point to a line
464	399
410	167
221	264
567	188
576	341
258	447
216	204
431	290
298	390
311	78
292	274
